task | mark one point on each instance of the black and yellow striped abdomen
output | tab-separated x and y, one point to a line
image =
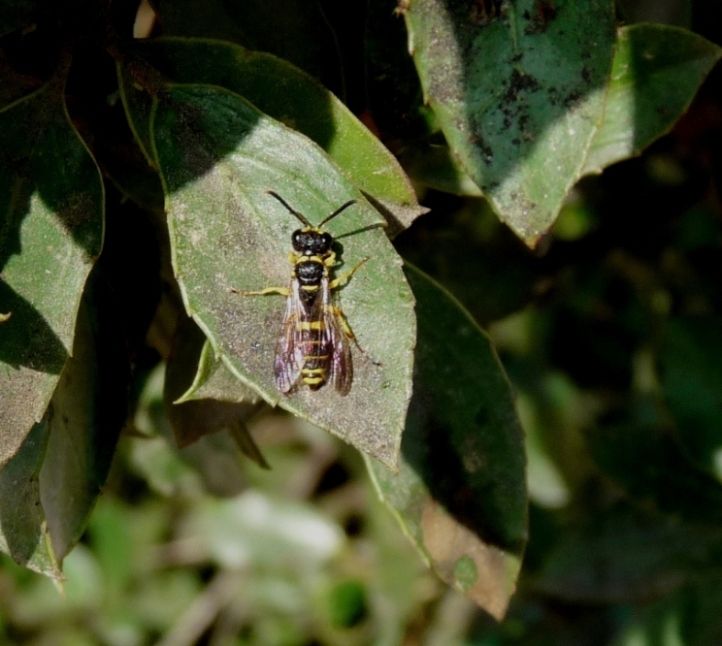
313	338
317	350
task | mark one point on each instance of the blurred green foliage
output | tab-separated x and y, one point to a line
610	334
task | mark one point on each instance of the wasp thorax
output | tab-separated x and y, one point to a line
311	243
309	272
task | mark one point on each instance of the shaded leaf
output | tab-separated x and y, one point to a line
295	30
460	493
656	72
519	122
52	197
194	372
23	532
218	157
213	381
219	400
211	464
86	414
293	98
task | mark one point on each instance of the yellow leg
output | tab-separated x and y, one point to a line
344	278
283	291
348	331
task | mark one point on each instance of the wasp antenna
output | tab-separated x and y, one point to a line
337	211
300	216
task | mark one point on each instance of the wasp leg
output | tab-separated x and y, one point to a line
283	291
349	332
331	259
344	278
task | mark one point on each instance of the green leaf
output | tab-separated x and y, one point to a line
51	196
460	493
691	369
623	555
86	414
211	464
295	30
518	88
218	156
23	532
285	93
656	72
215	400
194	372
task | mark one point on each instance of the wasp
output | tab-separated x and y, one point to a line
314	345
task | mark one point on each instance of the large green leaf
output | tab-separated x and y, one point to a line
218	157
295	30
23	532
211	398
51	231
518	88
657	70
290	95
460	493
85	416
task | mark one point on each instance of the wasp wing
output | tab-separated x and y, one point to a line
341	364
289	358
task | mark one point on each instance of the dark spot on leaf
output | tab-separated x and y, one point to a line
486	150
586	75
519	82
539	21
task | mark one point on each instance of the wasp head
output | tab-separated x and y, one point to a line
311	242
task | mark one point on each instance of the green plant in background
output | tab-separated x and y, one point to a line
134	180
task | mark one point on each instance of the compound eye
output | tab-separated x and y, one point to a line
327	241
297	239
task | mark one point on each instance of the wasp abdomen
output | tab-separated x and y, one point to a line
317	354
